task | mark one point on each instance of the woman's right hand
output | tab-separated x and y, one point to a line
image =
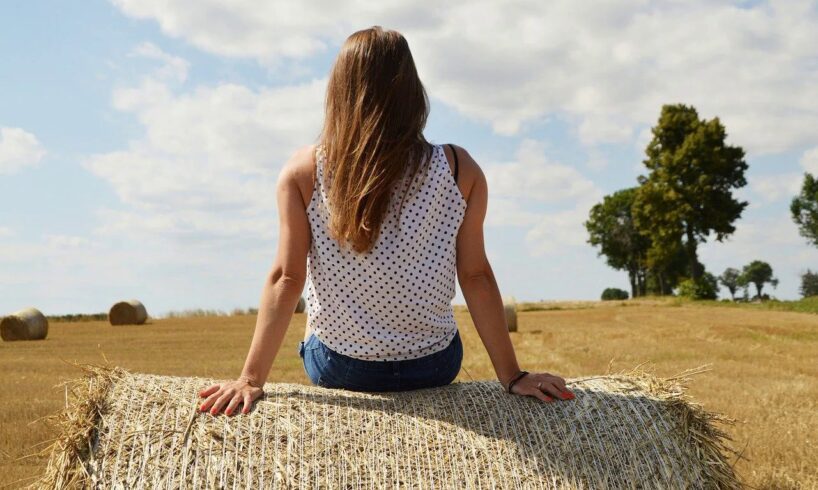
544	386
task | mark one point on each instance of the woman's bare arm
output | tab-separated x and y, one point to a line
280	293
482	294
476	277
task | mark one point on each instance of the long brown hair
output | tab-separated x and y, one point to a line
375	111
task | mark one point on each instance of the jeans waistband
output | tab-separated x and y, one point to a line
405	362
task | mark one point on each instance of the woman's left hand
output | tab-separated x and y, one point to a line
229	395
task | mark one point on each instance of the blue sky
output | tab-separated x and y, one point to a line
140	140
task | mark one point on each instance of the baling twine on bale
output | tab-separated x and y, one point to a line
625	430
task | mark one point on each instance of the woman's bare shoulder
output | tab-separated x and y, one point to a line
469	172
299	170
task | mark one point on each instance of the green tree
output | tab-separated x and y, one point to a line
809	284
710	286
745	288
758	273
688	192
610	227
667	266
804	209
730	279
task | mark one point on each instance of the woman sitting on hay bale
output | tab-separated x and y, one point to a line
406	217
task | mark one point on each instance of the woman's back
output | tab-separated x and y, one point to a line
393	303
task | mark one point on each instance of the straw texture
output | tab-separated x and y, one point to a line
131	312
627	430
27	324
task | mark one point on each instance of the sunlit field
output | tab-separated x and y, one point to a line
764	371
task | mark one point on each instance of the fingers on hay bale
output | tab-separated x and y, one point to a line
301	306
130	312
620	432
26	324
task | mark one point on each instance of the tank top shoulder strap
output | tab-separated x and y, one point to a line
451	147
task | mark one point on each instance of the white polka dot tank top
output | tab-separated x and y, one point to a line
393	303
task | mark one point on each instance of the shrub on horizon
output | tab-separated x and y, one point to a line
614	294
705	288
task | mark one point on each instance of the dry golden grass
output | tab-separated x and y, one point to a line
764	375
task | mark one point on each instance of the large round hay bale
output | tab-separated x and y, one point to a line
26	324
510	309
621	431
130	312
301	306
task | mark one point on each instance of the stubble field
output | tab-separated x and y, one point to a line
764	369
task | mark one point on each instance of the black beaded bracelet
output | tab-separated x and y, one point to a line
516	378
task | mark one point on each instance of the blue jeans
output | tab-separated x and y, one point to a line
331	369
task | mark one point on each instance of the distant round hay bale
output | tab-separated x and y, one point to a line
510	310
26	324
627	430
130	312
301	306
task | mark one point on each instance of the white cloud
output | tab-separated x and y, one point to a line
518	190
558	232
532	176
174	67
594	129
66	242
809	161
509	212
643	139
597	160
607	67
18	149
244	28
775	187
206	164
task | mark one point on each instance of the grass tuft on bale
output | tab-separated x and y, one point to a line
623	430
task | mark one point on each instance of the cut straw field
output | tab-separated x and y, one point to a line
764	371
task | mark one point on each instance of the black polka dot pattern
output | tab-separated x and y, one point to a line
394	303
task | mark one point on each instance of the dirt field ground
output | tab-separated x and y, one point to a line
764	369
